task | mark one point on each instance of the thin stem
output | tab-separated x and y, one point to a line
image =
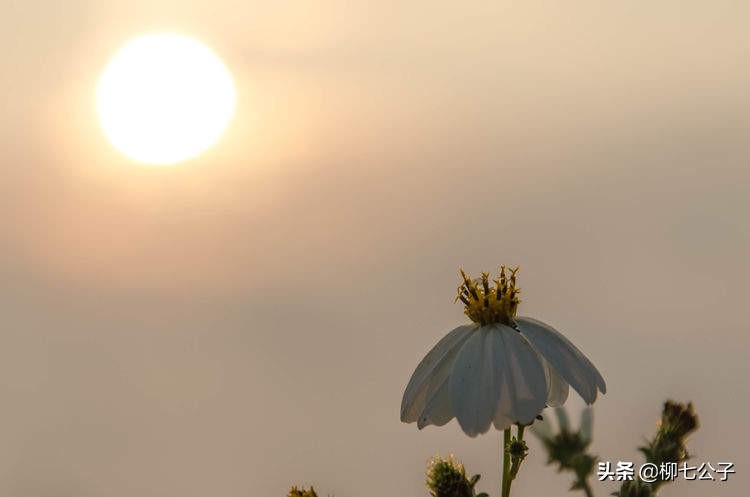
506	463
517	458
587	489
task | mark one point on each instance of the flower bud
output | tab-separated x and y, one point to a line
677	422
447	478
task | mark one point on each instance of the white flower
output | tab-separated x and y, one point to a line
500	370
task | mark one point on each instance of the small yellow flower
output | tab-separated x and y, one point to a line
500	370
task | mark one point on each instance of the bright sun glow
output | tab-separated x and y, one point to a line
164	98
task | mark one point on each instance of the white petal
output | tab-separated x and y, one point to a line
565	358
543	428
473	396
432	372
557	388
438	410
519	377
497	377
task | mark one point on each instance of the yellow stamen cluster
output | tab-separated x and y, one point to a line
485	304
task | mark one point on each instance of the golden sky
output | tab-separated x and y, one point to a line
247	321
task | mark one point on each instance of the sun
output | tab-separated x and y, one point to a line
164	98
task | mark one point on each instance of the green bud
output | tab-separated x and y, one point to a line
447	478
518	451
677	422
567	448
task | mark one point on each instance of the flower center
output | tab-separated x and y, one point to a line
488	304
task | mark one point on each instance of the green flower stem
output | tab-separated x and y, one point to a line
587	489
517	452
514	451
506	464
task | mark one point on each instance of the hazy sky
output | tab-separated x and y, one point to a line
248	320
